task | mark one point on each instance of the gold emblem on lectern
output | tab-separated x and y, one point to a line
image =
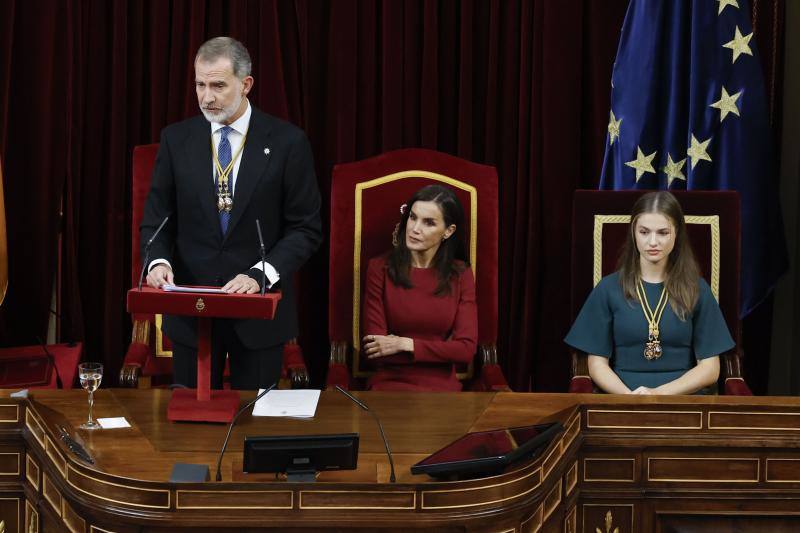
200	305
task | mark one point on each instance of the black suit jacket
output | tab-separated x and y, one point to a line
276	184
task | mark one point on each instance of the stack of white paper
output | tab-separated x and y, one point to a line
299	403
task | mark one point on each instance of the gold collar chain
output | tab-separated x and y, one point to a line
224	198
652	349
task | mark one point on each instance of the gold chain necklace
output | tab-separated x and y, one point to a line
224	198
652	349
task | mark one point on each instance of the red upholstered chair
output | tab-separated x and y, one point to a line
365	202
28	366
148	361
599	227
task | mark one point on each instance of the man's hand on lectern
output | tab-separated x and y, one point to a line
160	275
242	284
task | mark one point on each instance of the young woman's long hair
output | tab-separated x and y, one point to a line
451	257
682	272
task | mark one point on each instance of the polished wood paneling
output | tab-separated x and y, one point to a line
610	469
627	462
703	469
11	509
9	463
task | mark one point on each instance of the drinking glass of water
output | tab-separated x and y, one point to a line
90	374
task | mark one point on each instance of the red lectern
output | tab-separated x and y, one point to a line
203	404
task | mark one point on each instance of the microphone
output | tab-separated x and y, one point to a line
233	423
263	258
147	250
380	426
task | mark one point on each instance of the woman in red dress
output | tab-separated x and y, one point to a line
420	317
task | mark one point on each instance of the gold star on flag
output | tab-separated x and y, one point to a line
697	151
727	104
613	128
642	163
739	44
724	3
673	170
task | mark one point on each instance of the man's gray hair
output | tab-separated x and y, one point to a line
218	47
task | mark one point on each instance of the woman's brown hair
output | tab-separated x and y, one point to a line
682	272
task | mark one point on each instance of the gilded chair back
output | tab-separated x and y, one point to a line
365	207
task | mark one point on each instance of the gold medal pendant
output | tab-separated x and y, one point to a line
652	349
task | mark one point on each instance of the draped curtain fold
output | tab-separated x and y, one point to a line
521	85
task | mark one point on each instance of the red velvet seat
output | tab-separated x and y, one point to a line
365	201
599	227
148	361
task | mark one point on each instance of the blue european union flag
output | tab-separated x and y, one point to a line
689	111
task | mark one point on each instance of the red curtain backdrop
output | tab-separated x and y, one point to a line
521	85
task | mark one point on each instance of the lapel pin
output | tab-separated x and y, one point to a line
266	151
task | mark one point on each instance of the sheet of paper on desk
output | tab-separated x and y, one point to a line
113	422
300	403
179	288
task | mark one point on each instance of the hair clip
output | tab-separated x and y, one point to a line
403	209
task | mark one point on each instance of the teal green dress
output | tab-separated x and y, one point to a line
611	326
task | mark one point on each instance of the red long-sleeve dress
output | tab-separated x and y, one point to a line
444	328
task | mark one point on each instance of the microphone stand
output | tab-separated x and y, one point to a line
147	250
263	259
380	427
230	428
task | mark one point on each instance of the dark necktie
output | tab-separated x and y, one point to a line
224	155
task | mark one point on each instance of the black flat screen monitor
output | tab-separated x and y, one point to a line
487	452
300	453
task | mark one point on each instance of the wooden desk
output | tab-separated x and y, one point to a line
637	464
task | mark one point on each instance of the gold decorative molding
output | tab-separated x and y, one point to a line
74	522
9	413
133	489
35	427
31	518
552	499
15	472
358	210
92	529
534	521
537	471
571	520
55	455
594	425
244	494
406	499
611	480
571	479
160	351
32	472
608	513
712	221
792	420
552	458
752	460
768	470
573	428
51	493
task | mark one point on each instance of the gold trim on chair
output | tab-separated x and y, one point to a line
160	351
710	220
360	187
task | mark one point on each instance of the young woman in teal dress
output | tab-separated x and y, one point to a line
653	326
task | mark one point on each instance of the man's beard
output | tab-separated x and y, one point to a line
222	116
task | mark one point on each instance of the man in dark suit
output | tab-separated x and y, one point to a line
216	175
